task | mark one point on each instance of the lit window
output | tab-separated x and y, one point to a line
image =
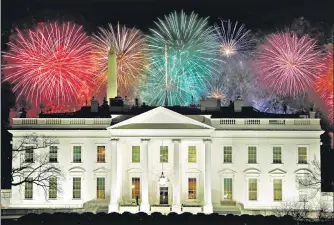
135	187
29	154
53	187
227	154
192	185
252	189
191	154
164	154
228	189
76	187
28	189
277	190
252	154
100	188
101	154
77	154
277	155
53	157
302	155
136	154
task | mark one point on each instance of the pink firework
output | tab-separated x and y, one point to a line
49	62
288	65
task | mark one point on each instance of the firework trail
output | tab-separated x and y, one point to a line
48	62
131	52
183	54
235	41
288	65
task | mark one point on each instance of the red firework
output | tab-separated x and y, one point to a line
49	62
288	65
324	85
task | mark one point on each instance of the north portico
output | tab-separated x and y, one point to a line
152	130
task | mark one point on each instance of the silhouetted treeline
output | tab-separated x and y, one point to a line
155	218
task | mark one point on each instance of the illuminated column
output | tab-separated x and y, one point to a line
176	178
112	75
113	206
145	205
207	184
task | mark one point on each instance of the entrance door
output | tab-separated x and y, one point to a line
163	195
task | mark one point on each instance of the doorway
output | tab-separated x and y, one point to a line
163	195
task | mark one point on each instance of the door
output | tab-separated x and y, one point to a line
163	195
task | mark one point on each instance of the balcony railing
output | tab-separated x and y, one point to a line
22	122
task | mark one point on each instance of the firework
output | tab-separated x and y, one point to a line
49	62
131	53
234	40
183	53
216	88
324	84
287	64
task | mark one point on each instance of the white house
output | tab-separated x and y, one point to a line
212	162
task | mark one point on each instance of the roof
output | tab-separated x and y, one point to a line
160	126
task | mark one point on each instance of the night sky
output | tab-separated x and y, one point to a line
264	15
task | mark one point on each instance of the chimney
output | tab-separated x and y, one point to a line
112	75
312	113
94	105
238	104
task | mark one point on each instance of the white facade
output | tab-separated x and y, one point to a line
208	172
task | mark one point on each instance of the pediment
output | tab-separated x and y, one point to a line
160	118
101	170
252	171
303	171
77	170
226	171
277	172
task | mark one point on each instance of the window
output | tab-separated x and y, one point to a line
302	155
100	188
252	154
252	189
192	154
277	190
164	154
135	187
29	154
136	154
53	187
192	185
77	154
28	188
227	154
277	155
53	154
101	154
228	189
302	189
76	187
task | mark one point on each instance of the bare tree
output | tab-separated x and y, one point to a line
32	162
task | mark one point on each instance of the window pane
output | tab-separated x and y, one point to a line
28	189
136	154
77	154
192	154
135	187
53	154
29	154
227	154
302	155
101	151
164	154
252	189
277	155
252	154
277	190
228	188
53	187
76	187
100	187
192	187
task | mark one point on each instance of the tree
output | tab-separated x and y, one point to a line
32	162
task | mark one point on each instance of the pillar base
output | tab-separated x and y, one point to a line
145	207
176	208
208	209
113	207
